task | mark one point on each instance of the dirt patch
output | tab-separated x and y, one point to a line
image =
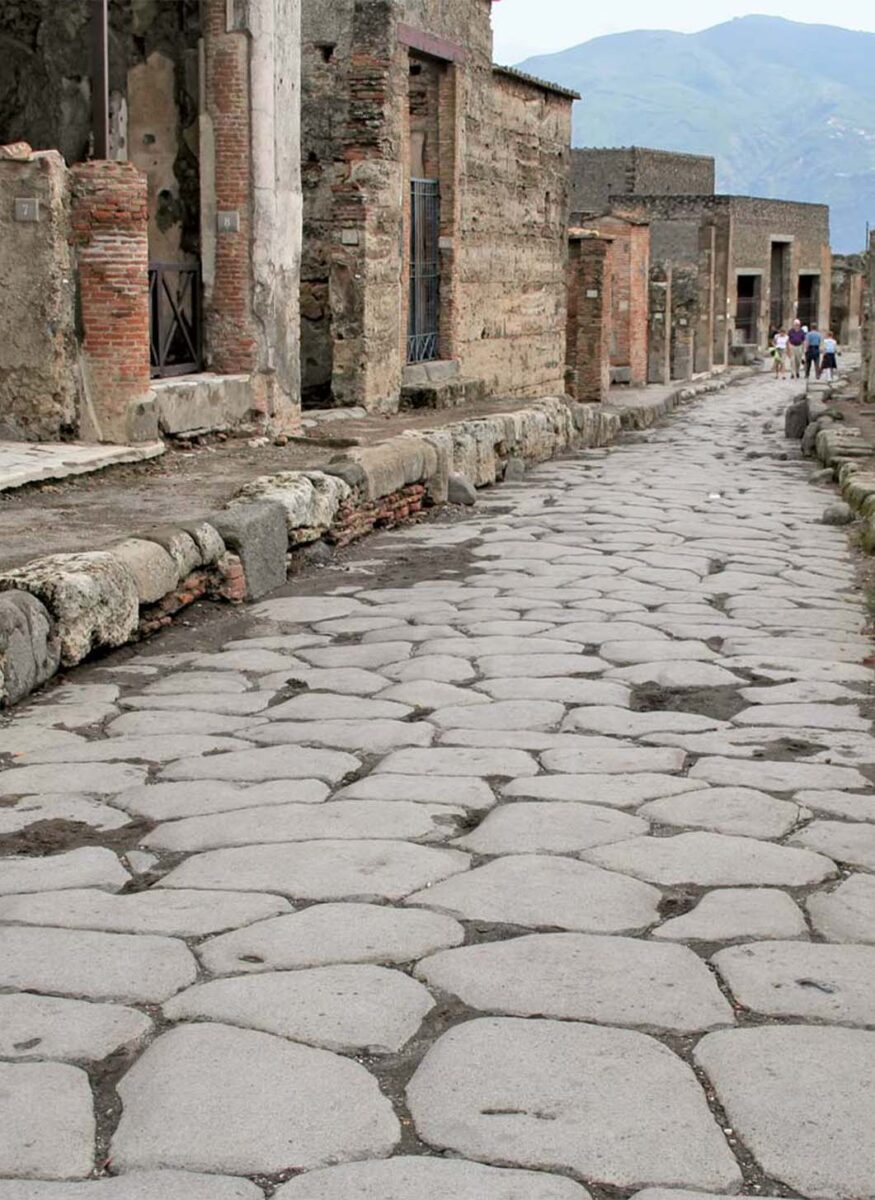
720	704
56	837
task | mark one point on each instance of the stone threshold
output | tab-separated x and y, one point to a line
22	463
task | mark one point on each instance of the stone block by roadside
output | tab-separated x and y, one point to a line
257	533
29	649
155	572
311	500
460	490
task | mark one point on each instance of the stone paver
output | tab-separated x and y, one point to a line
741	811
38	1027
331	933
427	1179
474	794
846	914
91	866
138	1185
801	1099
737	914
358	1009
485	763
170	801
271	762
215	1098
551	1094
607	980
551	828
849	843
614	791
47	1118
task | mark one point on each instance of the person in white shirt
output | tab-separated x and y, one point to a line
829	363
779	352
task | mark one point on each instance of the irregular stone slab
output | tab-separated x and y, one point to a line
565	691
800	1098
619	722
353	819
269	762
847	843
35	1027
304	610
486	763
473	794
852	650
801	692
145	749
740	811
503	714
544	892
676	675
174	914
539	666
151	722
737	915
252	660
356	1009
331	933
95	966
479	647
324	870
431	694
673	1194
47	1117
427	1179
213	1098
235	705
615	791
554	1095
22	739
713	860
71	807
348	681
169	801
812	982
369	658
612	761
846	914
548	828
777	776
89	866
437	668
138	1185
814	716
855	807
324	706
99	779
608	980
367	737
649	650
599	632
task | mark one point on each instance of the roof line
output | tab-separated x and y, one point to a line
542	84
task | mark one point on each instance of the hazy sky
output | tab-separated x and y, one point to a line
525	27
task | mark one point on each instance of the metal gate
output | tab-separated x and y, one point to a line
174	319
424	310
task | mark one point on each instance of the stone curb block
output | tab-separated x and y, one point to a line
29	650
845	450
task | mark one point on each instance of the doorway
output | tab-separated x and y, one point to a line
778	285
808	306
747	309
423	313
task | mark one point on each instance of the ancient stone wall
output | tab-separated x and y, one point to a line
588	327
630	281
599	174
846	304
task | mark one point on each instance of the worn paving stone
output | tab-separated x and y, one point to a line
71	807
170	801
740	811
803	980
305	610
94	966
48	1027
427	1179
471	762
244	704
366	737
145	749
351	819
606	980
470	793
565	691
815	716
152	722
22	739
433	668
370	658
849	843
353	1009
215	1098
846	914
89	866
480	647
138	1185
855	807
545	891
777	776
99	779
614	791
265	763
548	828
649	650
321	870
801	692
675	675
331	933
554	1095
253	660
47	1117
198	682
172	913
618	760
800	1098
324	706
539	665
431	694
737	915
619	722
714	860
502	714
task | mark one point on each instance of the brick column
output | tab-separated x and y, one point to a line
588	340
109	223
659	341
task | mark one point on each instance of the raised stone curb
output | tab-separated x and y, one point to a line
60	609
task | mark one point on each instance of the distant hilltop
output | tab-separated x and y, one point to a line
788	110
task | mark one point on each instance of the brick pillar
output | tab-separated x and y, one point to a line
639	282
109	223
588	341
659	341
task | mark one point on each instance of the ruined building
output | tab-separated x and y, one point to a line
435	209
725	271
150	217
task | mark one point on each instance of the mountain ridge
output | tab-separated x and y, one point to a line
787	109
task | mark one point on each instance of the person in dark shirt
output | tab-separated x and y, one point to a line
813	344
796	338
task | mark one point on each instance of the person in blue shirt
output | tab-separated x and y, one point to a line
813	345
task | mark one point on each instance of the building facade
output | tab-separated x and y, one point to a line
597	174
435	206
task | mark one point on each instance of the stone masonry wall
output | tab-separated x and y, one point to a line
599	174
588	329
630	263
846	304
39	396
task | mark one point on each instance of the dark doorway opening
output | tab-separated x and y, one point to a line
808	306
747	309
424	307
778	285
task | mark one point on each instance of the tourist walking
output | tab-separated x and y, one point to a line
796	339
813	347
780	344
829	363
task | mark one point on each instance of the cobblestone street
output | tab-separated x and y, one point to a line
530	856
